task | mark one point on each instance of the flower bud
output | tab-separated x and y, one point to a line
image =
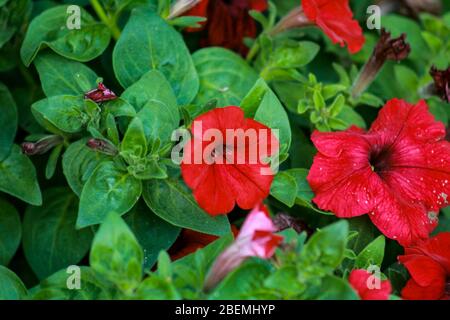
102	146
101	94
41	146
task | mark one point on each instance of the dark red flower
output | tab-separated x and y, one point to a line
398	172
368	286
223	172
441	82
228	22
101	94
429	266
335	18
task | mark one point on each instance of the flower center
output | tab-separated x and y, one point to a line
379	160
221	153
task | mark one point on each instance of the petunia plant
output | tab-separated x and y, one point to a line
212	149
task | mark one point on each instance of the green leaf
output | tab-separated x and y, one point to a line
8	121
327	246
254	97
49	29
246	282
53	161
272	114
408	81
372	254
159	124
153	233
61	76
334	288
119	108
152	86
50	240
18	177
284	188
349	117
134	141
55	287
79	161
64	112
156	287
294	55
108	189
156	104
11	287
224	75
116	254
171	200
140	50
10	232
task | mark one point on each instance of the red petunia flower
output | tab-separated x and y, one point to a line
228	22
335	18
224	171
399	171
429	266
368	286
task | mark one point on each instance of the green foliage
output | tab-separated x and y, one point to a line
139	51
50	240
10	230
115	211
49	29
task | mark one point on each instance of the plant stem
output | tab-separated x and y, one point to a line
253	50
110	23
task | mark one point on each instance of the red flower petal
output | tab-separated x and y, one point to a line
217	187
258	5
413	291
335	18
341	177
429	265
358	279
401	220
423	269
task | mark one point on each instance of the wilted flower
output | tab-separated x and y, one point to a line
256	239
387	48
228	22
441	82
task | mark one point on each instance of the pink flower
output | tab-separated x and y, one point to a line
256	239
